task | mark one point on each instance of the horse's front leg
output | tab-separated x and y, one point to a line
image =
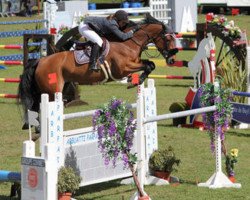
147	68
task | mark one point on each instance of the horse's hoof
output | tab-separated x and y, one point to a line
25	126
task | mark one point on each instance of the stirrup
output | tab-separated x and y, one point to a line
94	68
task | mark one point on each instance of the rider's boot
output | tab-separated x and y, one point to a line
93	58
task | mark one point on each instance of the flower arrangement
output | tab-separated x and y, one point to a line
231	160
220	117
229	29
115	126
63	29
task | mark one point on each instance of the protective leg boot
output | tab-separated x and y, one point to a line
93	58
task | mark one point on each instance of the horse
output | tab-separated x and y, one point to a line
122	60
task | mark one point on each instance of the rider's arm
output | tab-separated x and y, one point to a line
121	35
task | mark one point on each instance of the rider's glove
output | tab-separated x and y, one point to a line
136	28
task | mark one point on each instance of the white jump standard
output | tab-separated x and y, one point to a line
78	148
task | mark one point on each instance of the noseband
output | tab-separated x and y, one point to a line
163	35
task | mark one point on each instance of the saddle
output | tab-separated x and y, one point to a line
83	51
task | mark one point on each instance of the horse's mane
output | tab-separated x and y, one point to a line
148	19
151	20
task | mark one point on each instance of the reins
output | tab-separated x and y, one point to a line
148	40
160	35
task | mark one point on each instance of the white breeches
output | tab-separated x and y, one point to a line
88	33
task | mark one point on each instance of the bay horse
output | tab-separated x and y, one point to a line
122	59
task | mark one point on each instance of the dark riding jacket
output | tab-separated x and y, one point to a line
105	27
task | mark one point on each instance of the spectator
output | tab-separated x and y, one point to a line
9	4
28	5
22	3
9	9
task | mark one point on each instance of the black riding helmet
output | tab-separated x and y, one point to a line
121	15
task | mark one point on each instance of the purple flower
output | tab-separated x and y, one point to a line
116	103
115	155
231	173
100	131
220	117
107	115
106	161
115	126
95	116
129	136
218	100
125	159
112	129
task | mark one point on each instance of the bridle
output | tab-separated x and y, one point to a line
161	35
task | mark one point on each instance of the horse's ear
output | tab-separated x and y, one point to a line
147	15
167	28
131	23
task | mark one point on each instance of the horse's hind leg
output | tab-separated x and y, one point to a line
148	67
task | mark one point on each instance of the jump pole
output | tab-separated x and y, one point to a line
10	80
248	72
8	176
9	96
179	48
11	46
170	77
11	62
3	67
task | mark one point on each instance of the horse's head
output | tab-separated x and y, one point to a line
162	36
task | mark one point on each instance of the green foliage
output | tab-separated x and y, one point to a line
178	106
232	76
68	180
164	160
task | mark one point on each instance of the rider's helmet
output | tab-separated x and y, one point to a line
121	15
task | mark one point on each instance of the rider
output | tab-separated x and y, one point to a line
93	28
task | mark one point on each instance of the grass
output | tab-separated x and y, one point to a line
191	145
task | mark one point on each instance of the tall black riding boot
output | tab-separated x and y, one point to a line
93	57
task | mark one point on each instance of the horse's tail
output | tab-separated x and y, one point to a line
28	92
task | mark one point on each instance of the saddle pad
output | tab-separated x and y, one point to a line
82	56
